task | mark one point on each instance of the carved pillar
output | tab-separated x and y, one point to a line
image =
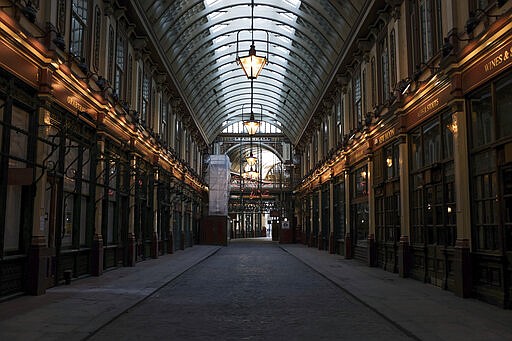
462	259
39	254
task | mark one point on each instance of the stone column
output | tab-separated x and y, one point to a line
404	255
462	259
39	254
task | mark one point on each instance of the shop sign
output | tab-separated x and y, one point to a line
487	68
358	154
385	137
428	107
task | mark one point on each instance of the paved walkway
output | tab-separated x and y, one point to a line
424	310
420	311
73	312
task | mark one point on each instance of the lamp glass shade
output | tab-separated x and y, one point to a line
389	161
252	126
252	64
251	160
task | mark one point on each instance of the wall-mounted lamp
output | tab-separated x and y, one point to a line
403	85
389	161
453	125
419	70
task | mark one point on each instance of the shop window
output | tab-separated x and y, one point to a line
391	158
315	147
78	28
325	135
374	85
97	37
177	142
120	63
361	182
19	138
339	116
491	135
67	229
113	183
111	53
426	29
339	210
14	196
432	183
431	143
83	220
164	119
481	118
392	58
358	109
384	67
416	150
129	80
503	107
12	219
363	94
146	90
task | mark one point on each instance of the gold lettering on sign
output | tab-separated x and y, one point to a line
500	58
428	107
386	136
75	103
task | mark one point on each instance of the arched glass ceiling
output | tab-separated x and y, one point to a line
199	40
267	158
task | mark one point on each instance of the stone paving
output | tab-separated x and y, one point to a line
250	291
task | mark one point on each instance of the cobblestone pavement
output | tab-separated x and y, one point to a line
250	291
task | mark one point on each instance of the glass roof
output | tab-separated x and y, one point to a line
201	38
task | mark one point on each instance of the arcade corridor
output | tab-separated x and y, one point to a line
374	132
251	290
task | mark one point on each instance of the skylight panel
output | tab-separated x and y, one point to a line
289	16
293	3
210	3
214	15
220	38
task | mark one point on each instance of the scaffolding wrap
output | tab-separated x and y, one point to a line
218	178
